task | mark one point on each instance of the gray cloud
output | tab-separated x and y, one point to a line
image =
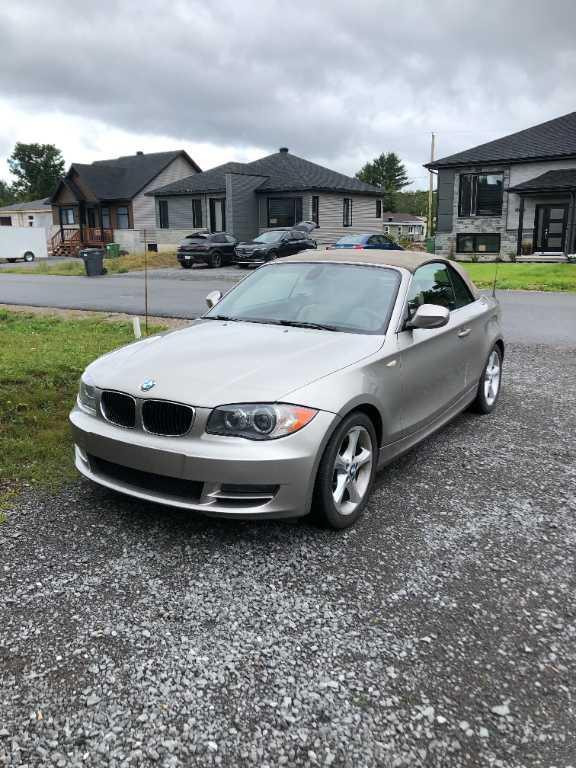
336	81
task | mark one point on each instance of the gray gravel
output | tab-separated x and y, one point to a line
440	631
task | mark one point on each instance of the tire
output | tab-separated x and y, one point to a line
215	260
11	261
339	476
29	257
272	255
186	264
490	383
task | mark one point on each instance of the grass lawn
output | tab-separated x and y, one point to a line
131	263
41	359
527	277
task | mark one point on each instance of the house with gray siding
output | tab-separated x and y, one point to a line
513	198
246	199
106	201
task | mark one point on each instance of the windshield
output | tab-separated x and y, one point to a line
195	237
268	237
342	297
351	239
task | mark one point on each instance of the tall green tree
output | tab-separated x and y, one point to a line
386	171
36	168
415	202
7	194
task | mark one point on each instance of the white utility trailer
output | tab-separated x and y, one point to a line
23	243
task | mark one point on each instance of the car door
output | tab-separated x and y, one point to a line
228	248
434	361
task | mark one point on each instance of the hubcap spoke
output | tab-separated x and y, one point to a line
352	470
354	493
363	457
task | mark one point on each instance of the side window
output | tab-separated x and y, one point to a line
374	240
219	239
431	284
230	239
461	291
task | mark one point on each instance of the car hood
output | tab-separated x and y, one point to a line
215	362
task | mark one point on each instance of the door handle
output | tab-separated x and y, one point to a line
463	333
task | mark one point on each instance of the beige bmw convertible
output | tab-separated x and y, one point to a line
294	388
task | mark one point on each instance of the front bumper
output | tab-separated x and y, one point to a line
249	259
227	477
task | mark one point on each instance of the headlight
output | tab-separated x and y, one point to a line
87	395
257	421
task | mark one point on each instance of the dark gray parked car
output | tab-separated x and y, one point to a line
211	248
270	245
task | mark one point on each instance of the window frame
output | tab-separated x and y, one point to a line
472	211
64	214
378	209
118	215
5	221
163	215
456	278
475	236
197	213
296	206
316	209
347	215
407	314
105	216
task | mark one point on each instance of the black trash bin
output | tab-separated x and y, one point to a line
93	261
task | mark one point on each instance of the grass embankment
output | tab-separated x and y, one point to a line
131	263
41	359
524	277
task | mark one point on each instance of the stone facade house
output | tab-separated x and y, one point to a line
514	197
279	190
106	201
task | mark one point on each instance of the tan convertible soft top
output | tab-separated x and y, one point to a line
409	260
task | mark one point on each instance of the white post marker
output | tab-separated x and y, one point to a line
136	326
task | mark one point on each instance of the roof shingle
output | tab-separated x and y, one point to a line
552	139
284	172
561	179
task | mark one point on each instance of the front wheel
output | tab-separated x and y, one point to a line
28	257
346	473
272	255
186	264
489	385
215	260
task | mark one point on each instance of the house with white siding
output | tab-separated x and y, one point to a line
34	213
279	190
106	201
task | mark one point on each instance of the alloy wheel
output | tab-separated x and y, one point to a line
492	377
352	470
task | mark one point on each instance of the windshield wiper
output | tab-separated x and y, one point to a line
220	317
314	326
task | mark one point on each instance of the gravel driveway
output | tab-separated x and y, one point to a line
441	631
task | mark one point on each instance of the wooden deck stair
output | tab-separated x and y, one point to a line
69	240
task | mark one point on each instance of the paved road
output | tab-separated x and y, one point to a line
529	317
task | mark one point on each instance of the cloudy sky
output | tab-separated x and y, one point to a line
336	81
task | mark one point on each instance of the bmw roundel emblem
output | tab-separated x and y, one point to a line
147	385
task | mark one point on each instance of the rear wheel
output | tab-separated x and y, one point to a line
272	255
29	256
215	260
186	264
11	261
489	385
346	473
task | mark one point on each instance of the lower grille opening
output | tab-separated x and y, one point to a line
248	490
191	490
118	408
162	417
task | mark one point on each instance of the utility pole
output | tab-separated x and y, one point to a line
431	186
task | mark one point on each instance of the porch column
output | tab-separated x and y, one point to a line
99	209
520	227
570	247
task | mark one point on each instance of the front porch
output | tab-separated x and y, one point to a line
547	217
67	241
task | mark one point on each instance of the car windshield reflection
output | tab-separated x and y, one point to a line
332	297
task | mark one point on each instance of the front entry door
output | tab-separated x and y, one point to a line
550	228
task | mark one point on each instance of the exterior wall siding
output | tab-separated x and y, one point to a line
242	209
143	206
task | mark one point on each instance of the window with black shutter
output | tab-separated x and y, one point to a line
378	209
197	213
480	194
163	214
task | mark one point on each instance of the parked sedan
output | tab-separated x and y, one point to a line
213	249
360	242
272	244
294	388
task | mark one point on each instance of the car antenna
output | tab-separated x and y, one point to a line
494	283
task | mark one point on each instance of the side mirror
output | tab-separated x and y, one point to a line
429	316
213	298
